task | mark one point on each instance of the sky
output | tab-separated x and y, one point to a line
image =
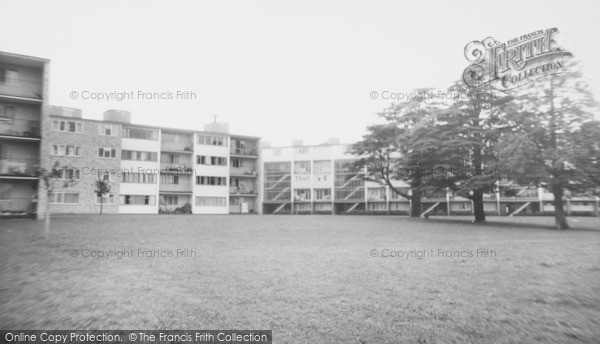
280	70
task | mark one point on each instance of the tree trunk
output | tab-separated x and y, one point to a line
47	216
415	200
101	204
560	217
478	207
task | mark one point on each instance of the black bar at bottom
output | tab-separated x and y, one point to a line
137	336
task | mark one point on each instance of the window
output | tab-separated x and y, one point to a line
237	163
170	158
137	200
204	180
107	176
139	156
212	140
211	202
170	137
211	160
106	199
7	113
108	130
66	150
9	76
69	126
323	207
68	174
302	167
169	200
323	194
141	178
302	195
301	150
109	153
323	166
169	179
64	198
140	134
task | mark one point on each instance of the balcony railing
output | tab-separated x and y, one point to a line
185	186
176	168
19	167
177	146
234	190
250	172
21	88
20	127
17	206
244	151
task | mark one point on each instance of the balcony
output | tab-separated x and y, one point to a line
240	191
175	146
20	128
21	88
244	172
176	168
17	206
249	152
175	204
19	167
181	187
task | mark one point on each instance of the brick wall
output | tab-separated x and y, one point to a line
89	164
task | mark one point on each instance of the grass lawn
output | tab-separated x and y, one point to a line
310	279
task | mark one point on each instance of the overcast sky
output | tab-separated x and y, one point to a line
281	70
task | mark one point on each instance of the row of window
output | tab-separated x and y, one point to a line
131	133
211	160
140	178
111	153
109	199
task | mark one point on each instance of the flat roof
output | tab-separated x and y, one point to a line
309	146
18	59
143	126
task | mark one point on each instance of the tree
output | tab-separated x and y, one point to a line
586	155
56	177
549	144
465	135
395	151
102	188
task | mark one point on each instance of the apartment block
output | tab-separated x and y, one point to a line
151	170
23	100
322	179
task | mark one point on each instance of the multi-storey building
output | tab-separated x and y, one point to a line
321	179
23	100
150	169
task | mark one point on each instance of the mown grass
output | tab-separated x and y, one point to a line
310	279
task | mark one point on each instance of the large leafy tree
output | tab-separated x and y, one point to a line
553	142
394	151
465	136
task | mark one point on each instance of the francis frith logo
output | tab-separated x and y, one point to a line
512	64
